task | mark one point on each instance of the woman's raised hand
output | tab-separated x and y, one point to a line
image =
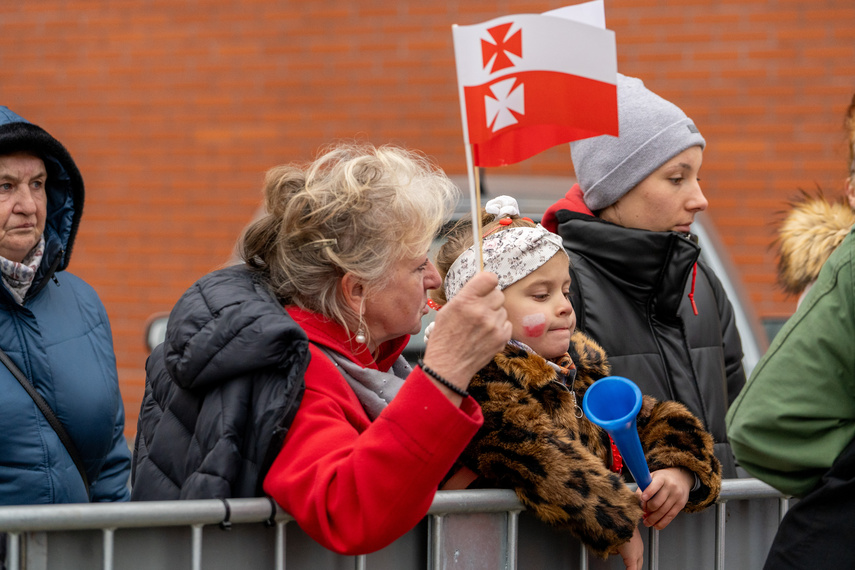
469	331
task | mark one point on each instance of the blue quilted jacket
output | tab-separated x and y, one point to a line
60	339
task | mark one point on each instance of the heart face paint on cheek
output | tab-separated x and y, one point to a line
534	325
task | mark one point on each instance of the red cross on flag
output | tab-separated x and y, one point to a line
529	82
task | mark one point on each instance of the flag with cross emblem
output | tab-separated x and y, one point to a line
529	82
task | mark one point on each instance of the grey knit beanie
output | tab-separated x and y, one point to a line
652	132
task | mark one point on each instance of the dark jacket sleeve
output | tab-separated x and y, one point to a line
730	337
552	472
671	436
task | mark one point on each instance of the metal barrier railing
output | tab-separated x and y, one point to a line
107	518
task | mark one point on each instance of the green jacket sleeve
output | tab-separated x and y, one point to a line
797	411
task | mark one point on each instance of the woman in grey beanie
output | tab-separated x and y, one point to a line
661	315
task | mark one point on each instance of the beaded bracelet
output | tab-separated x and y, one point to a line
456	389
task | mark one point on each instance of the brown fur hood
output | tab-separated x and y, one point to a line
811	231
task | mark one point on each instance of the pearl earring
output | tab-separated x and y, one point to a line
360	335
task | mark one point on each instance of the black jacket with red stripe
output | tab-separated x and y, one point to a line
631	294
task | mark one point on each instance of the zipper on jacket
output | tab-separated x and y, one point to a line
692	292
48	276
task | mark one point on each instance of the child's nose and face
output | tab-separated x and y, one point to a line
539	308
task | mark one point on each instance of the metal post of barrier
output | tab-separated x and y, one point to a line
435	546
360	562
783	507
13	554
513	535
280	545
583	556
107	540
720	526
197	546
653	547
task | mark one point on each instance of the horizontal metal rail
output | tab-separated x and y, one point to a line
195	514
741	489
88	516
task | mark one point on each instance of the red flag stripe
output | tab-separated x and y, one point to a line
559	108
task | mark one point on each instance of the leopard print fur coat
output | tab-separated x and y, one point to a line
558	464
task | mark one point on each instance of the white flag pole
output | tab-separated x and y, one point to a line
474	186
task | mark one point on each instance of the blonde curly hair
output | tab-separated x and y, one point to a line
356	209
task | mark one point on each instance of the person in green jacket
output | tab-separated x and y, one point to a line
793	425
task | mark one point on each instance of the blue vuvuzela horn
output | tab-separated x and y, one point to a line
613	403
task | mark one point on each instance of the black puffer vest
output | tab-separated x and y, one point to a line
220	393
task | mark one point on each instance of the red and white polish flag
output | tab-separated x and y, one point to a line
529	82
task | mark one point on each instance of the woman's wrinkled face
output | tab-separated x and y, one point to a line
665	201
397	308
23	204
539	308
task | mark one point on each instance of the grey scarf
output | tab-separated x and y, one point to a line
375	389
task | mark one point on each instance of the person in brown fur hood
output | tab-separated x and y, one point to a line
535	437
815	226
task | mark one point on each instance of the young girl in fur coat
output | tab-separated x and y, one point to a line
535	438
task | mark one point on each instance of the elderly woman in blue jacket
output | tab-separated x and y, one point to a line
54	334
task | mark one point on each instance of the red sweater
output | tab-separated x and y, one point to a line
353	485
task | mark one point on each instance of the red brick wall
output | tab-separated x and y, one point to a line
174	110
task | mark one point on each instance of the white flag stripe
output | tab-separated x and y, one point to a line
548	44
592	13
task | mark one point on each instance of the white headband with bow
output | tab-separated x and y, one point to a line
511	254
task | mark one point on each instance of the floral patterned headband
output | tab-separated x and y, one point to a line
511	254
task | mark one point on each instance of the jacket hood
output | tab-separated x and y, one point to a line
810	232
572	201
64	185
